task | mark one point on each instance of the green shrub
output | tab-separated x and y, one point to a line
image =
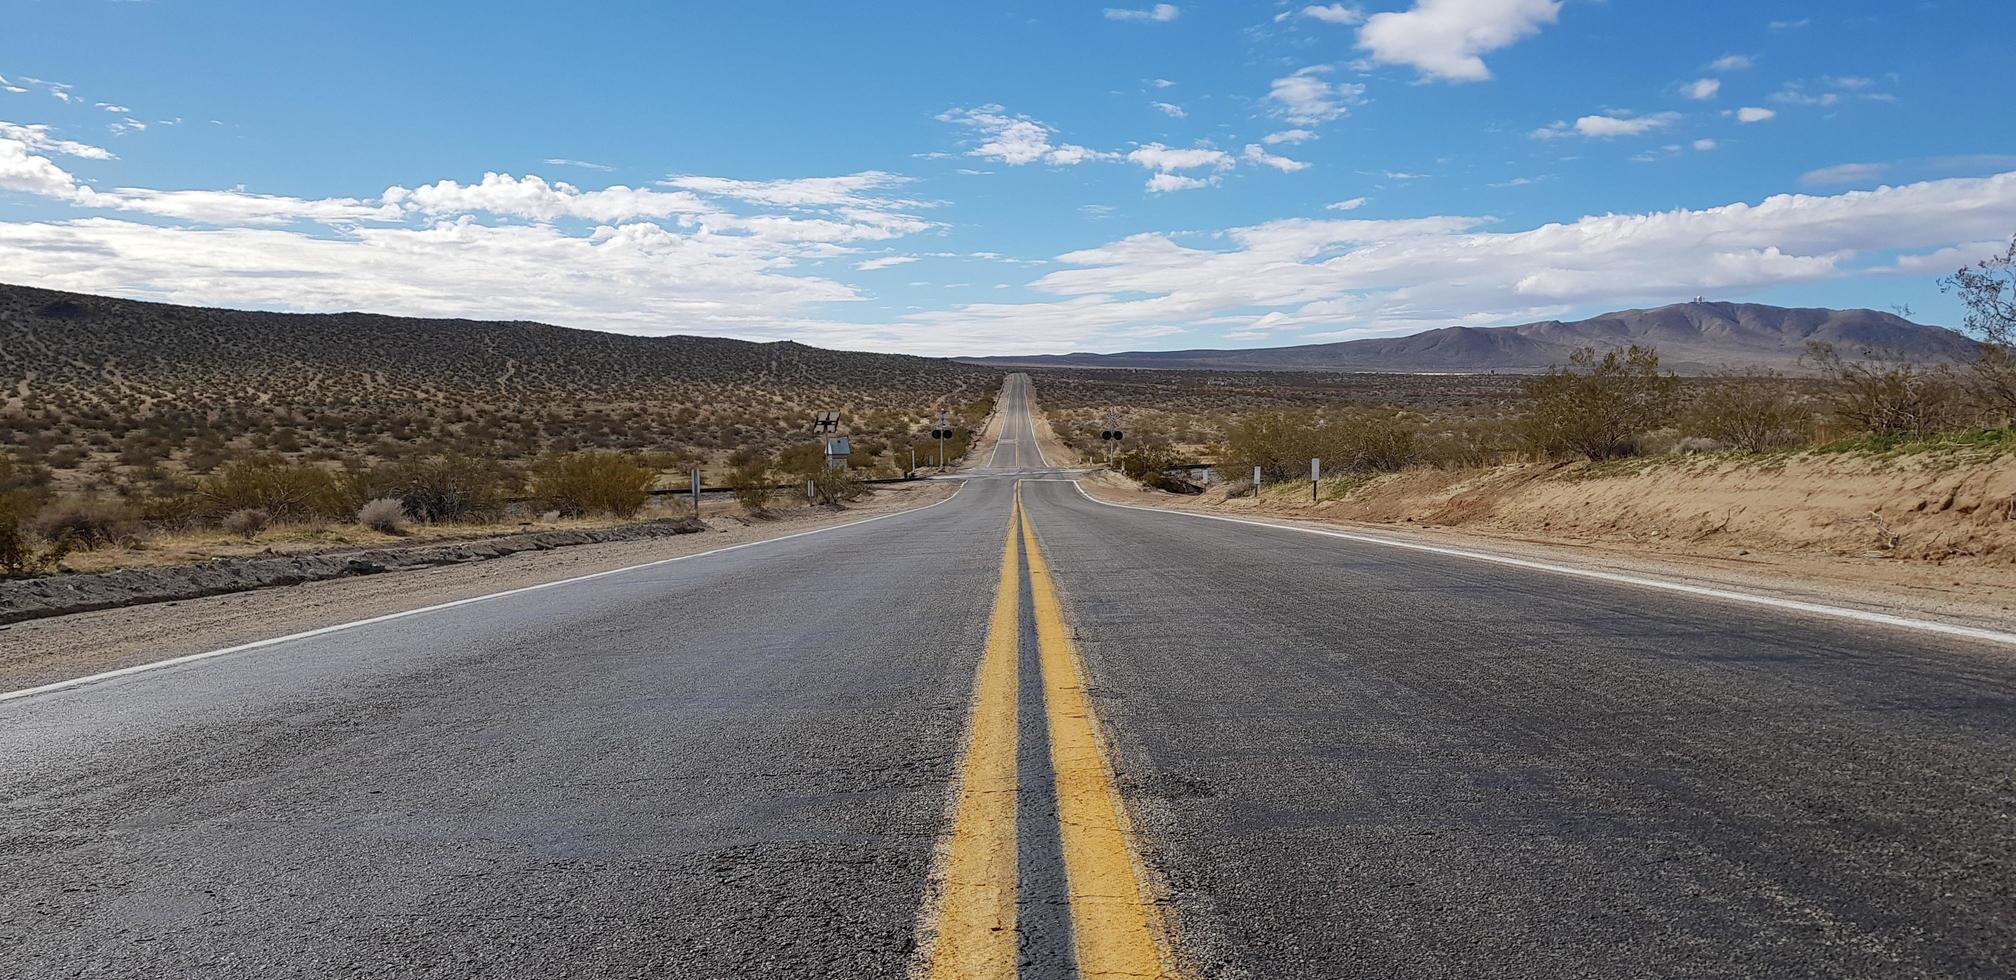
1753	411
438	490
582	483
1889	396
1600	406
750	482
286	491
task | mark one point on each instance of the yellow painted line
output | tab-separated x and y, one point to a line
972	933
1116	926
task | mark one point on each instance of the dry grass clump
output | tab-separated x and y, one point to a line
85	523
247	522
386	515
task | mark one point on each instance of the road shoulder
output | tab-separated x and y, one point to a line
58	648
1967	596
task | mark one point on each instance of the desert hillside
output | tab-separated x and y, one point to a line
1692	338
117	383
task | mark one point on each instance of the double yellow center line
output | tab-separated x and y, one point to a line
970	934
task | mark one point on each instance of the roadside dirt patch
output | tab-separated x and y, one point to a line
1924	537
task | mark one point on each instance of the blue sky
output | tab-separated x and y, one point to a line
964	178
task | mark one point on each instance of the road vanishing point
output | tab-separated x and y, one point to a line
1026	733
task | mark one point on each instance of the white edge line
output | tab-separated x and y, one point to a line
1727	595
388	617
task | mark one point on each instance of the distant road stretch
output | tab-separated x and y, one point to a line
1025	733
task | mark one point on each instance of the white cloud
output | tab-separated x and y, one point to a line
1753	114
1790	25
1161	13
1335	13
1732	62
1258	156
1844	173
1426	272
885	262
1351	205
109	107
583	164
1704	144
1016	140
1288	136
1835	91
1445	39
1607	127
1162	83
23	171
532	197
1701	90
1163	183
37	138
1172	111
1155	156
850	190
1306	97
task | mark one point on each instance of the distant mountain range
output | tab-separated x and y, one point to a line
1692	338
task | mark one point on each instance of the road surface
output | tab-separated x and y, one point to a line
1024	733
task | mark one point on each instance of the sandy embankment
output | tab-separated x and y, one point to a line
1932	533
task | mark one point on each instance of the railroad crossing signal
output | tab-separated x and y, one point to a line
940	433
1112	431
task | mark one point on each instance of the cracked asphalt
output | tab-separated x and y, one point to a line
1340	760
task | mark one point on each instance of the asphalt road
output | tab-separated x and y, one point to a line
1322	759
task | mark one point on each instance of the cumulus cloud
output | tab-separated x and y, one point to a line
1335	13
1288	136
1258	156
1306	97
1161	13
1016	139
533	197
1410	274
1701	90
1754	114
1163	183
1607	126
1446	39
1172	111
1155	156
1731	62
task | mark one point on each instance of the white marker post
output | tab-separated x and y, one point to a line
1315	478
1256	481
696	493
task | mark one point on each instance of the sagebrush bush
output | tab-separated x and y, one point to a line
386	515
1888	396
285	490
437	490
246	522
87	522
577	484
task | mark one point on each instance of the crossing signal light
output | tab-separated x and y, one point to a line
1111	435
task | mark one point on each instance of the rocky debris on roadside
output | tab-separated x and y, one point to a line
64	594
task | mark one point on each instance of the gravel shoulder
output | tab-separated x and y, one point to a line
47	650
1981	596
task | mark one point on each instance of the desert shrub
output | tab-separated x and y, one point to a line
247	521
386	515
1888	396
20	475
591	483
1281	444
1600	405
833	485
87	522
172	509
1988	288
1753	411
437	490
284	490
750	482
18	556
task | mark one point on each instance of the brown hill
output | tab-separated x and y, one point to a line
1691	337
86	377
